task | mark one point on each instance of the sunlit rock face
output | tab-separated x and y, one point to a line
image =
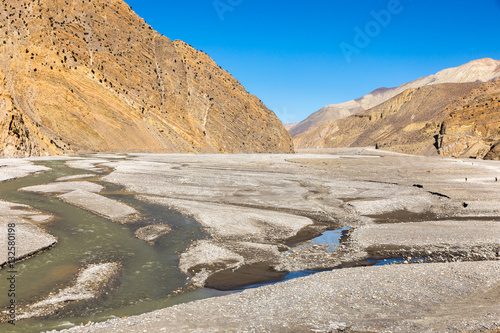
452	119
92	76
482	70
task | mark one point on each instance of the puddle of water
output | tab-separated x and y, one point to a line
367	262
383	262
331	238
149	274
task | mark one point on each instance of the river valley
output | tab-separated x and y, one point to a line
180	228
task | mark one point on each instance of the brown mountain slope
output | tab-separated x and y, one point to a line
451	119
18	134
482	70
89	76
494	153
474	128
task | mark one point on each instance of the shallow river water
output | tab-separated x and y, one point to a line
149	274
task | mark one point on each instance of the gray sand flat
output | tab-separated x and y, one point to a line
397	298
207	257
10	208
232	221
416	203
238	233
228	184
337	187
426	234
109	156
318	185
90	164
16	168
430	240
52	158
111	209
63	179
481	208
88	285
334	188
39	218
30	239
205	252
64	187
24	211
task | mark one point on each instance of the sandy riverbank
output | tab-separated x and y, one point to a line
260	211
333	189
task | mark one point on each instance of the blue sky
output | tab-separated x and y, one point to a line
298	56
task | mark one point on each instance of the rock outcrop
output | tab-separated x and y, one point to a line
494	153
482	70
92	76
461	119
473	128
19	136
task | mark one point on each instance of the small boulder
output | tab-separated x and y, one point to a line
152	232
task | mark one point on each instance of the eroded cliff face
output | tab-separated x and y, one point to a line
460	120
481	70
92	76
19	136
494	153
473	128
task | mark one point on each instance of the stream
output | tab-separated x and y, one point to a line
149	274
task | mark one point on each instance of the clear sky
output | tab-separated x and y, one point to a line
298	56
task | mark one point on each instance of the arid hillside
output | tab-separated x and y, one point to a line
92	76
481	70
459	119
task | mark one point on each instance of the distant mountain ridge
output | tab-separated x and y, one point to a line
289	126
449	119
79	76
482	70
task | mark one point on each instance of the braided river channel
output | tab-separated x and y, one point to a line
149	277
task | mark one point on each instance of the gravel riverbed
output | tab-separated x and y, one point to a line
260	211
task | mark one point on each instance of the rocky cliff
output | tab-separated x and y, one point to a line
460	119
482	70
19	136
92	76
473	128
